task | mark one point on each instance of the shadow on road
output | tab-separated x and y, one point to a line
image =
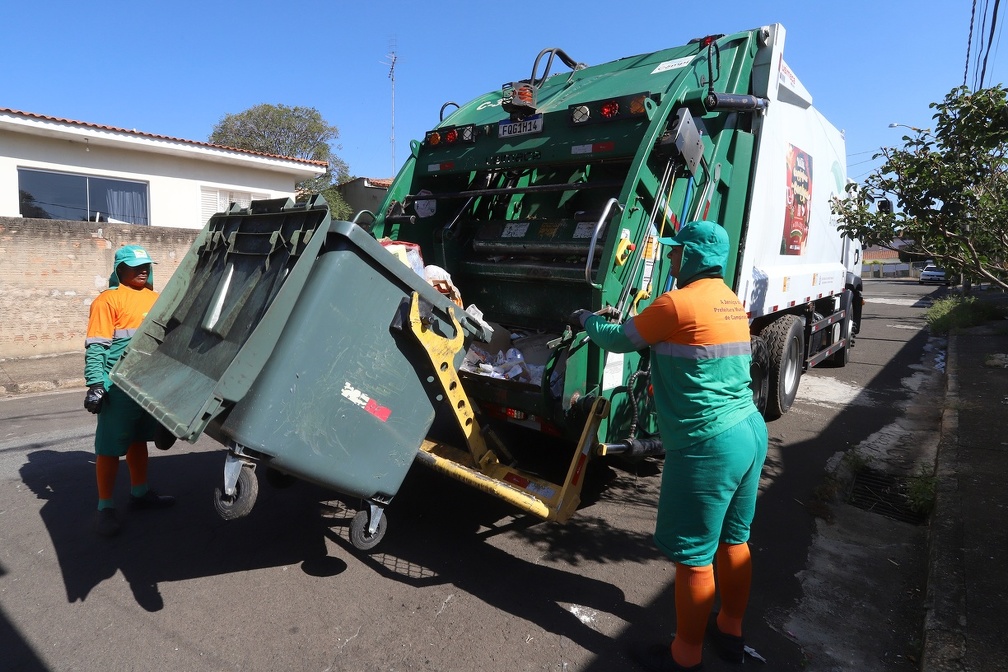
186	541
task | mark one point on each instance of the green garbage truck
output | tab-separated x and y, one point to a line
516	208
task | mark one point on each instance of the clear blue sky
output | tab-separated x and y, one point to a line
175	68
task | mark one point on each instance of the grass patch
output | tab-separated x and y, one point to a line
920	490
855	461
960	312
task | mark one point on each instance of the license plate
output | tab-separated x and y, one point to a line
509	129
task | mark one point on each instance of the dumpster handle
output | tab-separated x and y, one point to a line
594	240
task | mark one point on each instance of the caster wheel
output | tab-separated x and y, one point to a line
237	506
359	536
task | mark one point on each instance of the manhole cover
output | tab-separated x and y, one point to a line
883	494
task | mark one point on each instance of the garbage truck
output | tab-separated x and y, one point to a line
343	352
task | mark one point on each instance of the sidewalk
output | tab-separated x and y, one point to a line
41	374
968	532
968	536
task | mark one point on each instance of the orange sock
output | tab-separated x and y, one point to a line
136	459
106	468
734	579
694	598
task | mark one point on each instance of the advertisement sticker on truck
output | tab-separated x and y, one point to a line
799	199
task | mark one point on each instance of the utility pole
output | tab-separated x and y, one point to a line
391	63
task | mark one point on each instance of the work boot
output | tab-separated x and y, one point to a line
658	658
163	439
729	648
106	523
151	500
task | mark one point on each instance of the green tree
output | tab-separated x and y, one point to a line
296	132
950	188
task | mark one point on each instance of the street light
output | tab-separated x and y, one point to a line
912	128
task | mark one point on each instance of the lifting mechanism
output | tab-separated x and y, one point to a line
480	466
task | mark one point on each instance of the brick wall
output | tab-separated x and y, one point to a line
51	270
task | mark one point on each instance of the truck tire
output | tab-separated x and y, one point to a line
759	371
785	339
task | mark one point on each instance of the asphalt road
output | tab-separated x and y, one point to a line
460	582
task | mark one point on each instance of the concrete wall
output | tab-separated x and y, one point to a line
51	270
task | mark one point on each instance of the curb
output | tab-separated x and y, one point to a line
944	636
41	373
17	389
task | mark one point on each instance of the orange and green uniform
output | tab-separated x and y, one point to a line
115	316
715	439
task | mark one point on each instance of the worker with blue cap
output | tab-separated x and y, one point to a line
123	426
715	441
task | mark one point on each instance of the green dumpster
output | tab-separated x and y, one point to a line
282	336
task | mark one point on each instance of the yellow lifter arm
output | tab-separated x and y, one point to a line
480	466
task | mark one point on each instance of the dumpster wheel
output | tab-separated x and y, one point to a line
360	536
239	505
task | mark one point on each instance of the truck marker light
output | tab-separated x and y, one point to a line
637	105
593	148
435	167
433	138
580	114
519	98
451	136
610	109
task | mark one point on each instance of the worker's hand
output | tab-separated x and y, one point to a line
611	313
94	398
578	318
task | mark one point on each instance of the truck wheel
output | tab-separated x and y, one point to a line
842	356
759	371
240	505
359	536
785	341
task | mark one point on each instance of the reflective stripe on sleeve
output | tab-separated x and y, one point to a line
703	351
97	340
630	330
124	333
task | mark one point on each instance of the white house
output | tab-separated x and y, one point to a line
63	169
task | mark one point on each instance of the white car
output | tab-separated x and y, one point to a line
933	274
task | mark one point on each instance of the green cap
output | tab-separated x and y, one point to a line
132	255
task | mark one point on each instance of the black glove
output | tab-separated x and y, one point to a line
94	398
578	318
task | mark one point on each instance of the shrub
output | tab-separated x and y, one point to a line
958	312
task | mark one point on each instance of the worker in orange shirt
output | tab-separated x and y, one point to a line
123	426
715	442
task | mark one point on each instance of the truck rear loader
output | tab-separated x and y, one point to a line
525	204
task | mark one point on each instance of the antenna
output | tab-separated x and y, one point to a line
390	61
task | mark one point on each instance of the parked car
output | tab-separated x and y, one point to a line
934	274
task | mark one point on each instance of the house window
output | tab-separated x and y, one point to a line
52	195
214	200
